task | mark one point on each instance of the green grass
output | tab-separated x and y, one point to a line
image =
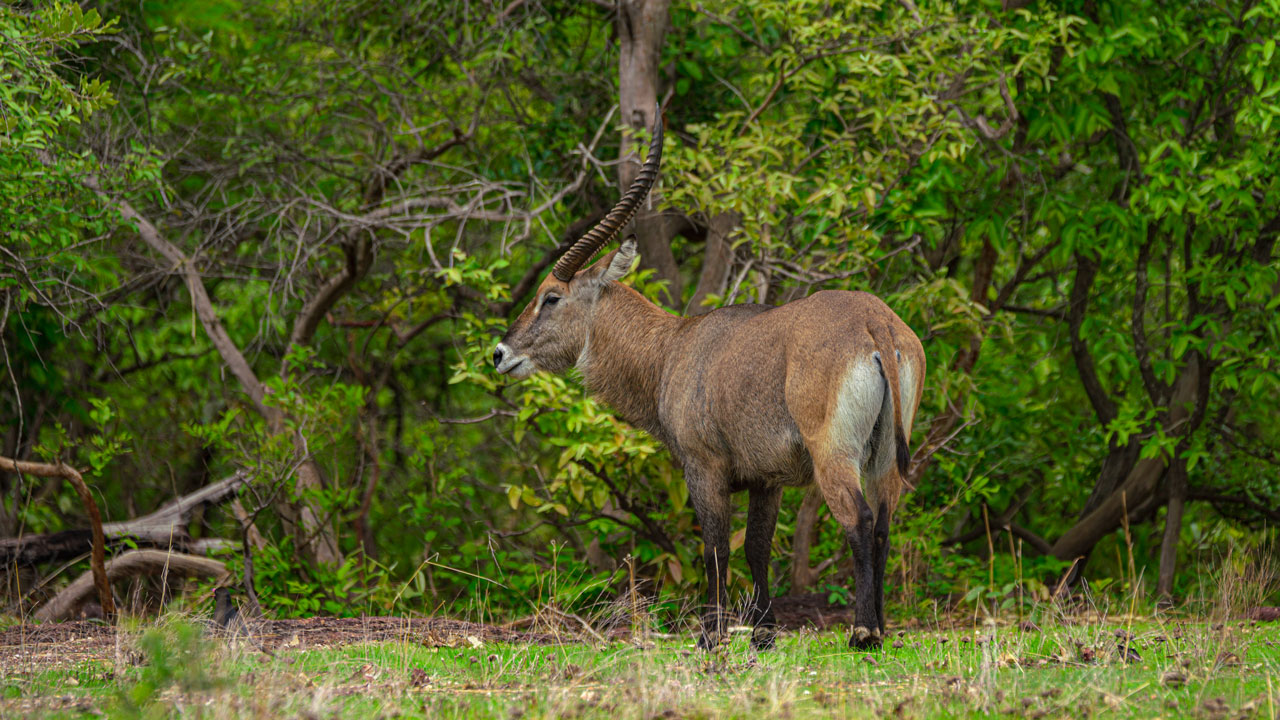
1183	669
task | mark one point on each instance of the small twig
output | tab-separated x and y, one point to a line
478	419
249	590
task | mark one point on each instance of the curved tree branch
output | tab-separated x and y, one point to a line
320	539
200	300
130	564
359	258
98	574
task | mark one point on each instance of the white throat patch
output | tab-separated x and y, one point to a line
584	356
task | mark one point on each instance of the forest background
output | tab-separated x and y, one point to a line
268	247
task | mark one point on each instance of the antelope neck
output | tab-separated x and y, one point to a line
628	345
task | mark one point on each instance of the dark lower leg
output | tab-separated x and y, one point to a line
882	560
866	627
715	617
762	518
712	508
842	489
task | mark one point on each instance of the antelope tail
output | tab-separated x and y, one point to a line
887	353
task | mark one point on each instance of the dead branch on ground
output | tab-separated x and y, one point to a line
163	528
134	563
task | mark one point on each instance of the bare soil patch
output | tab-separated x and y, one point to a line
810	610
86	638
69	642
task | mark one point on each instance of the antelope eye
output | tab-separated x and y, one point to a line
551	300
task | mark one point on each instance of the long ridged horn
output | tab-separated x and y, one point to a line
604	231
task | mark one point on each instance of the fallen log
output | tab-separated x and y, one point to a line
165	528
134	563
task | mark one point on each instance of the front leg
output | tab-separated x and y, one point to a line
762	519
709	495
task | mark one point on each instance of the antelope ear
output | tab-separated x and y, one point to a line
613	266
621	260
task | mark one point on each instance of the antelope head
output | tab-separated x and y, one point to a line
551	331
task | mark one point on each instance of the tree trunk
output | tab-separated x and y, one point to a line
802	575
1142	479
642	28
1121	462
368	444
319	538
716	260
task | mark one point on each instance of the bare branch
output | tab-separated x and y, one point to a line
98	573
166	527
179	262
1241	500
359	258
654	531
1041	545
171	518
478	419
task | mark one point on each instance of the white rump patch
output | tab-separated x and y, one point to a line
857	406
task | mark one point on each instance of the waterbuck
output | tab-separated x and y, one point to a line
747	397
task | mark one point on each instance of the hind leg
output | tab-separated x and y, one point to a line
884	518
883	489
839	483
837	427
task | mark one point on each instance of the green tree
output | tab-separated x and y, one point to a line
286	240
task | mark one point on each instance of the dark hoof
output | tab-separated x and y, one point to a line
763	637
715	630
865	639
713	641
